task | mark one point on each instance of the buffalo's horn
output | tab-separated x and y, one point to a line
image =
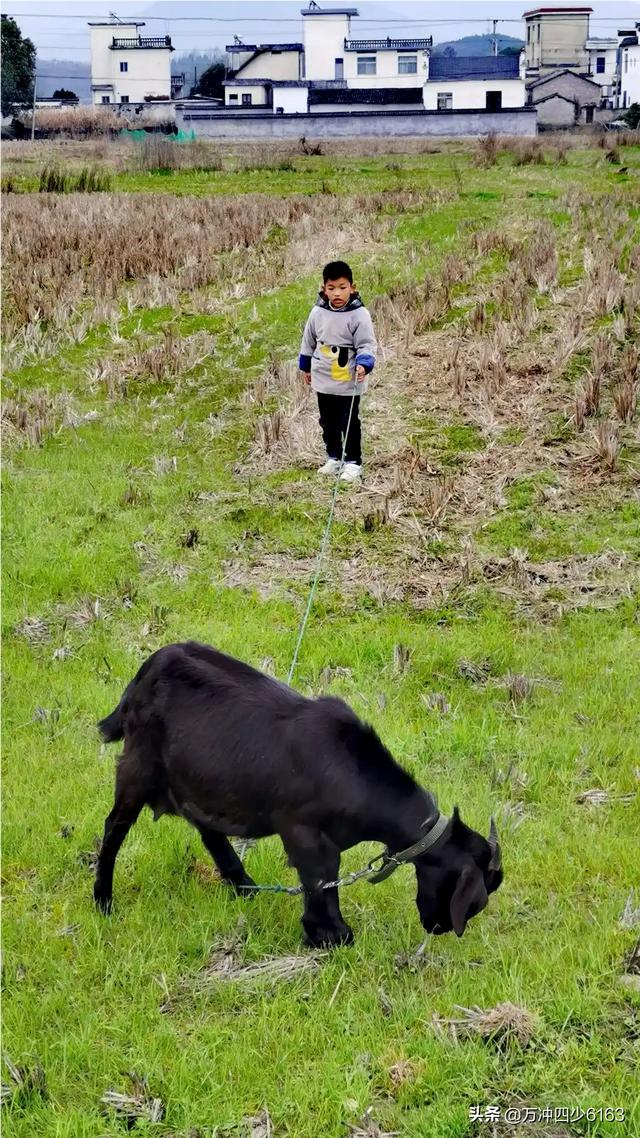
496	856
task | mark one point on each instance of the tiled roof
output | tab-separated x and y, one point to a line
474	67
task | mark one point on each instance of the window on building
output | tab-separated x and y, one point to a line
124	66
246	100
124	98
339	69
366	65
106	98
600	64
626	60
407	65
588	114
445	100
233	98
538	26
494	101
528	33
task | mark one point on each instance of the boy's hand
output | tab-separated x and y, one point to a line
360	373
306	375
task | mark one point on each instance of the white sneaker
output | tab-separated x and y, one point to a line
351	473
331	466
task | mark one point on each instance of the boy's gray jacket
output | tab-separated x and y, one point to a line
334	342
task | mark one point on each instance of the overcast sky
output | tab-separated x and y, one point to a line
59	29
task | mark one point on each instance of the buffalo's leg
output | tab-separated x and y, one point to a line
229	864
129	801
317	859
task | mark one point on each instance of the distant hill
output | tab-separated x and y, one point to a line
69	73
477	45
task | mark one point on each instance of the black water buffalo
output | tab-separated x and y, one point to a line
237	753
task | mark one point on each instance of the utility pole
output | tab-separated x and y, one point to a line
33	112
494	42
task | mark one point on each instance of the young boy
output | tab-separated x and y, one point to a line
337	353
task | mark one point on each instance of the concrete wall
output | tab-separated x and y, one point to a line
387	74
293	100
608	49
258	92
356	124
471	94
324	38
556	113
273	65
557	40
148	69
629	76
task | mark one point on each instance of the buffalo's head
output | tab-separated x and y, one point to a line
456	876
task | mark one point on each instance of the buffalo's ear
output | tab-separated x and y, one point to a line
469	898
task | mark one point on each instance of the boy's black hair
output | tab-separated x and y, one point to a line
336	269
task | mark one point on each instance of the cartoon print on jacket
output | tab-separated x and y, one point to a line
339	369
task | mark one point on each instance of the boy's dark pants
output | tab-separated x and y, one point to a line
334	416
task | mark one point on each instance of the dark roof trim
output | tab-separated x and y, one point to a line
316	11
241	48
116	23
376	96
565	99
557	74
556	12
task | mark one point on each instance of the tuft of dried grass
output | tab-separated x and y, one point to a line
367	1127
33	415
591	393
226	964
477	672
629	364
580	411
436	701
607	444
33	629
624	399
26	1082
401	659
258	1125
630	916
599	797
137	1104
487	150
504	1025
602	356
519	687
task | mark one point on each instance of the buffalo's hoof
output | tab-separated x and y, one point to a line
319	937
103	903
245	888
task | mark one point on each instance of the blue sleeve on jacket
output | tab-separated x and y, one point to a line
365	360
304	363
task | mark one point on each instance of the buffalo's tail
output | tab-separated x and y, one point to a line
112	726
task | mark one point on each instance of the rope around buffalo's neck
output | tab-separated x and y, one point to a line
323	546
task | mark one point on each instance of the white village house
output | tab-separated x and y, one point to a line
628	91
128	67
330	71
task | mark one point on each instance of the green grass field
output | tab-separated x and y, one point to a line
159	484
